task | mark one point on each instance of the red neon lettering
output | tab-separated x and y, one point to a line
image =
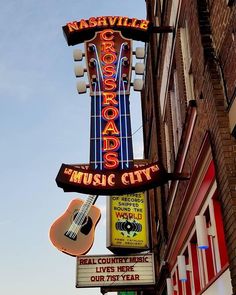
83	24
120	21
102	21
109	98
134	23
110	128
73	26
92	22
108	46
111	160
107	35
144	24
125	21
110	113
109	70
109	58
109	84
112	20
110	143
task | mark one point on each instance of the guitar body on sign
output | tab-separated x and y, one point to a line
73	232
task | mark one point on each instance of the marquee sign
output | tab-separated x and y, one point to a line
111	182
110	270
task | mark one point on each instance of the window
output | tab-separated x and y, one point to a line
187	62
214	258
161	2
203	266
175	112
155	7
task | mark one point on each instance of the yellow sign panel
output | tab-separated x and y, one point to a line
128	221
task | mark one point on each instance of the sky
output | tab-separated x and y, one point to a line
44	123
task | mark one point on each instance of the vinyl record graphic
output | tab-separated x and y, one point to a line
128	228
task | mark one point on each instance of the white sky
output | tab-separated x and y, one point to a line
44	123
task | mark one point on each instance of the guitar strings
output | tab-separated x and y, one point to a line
84	209
100	116
99	64
98	81
117	69
95	123
119	72
81	215
75	226
121	126
126	127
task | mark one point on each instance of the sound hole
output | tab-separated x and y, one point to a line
85	229
86	224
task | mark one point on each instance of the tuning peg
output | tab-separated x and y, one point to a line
79	71
138	84
82	87
139	68
78	54
140	52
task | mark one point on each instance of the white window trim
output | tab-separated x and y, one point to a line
168	149
169	52
187	62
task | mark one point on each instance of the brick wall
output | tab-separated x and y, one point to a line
213	103
213	50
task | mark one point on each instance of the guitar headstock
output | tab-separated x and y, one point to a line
109	62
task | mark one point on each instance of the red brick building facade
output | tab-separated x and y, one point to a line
189	120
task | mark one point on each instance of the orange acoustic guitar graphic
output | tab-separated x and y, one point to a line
73	232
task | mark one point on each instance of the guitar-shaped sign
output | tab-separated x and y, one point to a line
73	232
109	68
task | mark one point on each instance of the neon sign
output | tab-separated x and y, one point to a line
82	30
108	21
110	112
84	180
108	52
109	60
